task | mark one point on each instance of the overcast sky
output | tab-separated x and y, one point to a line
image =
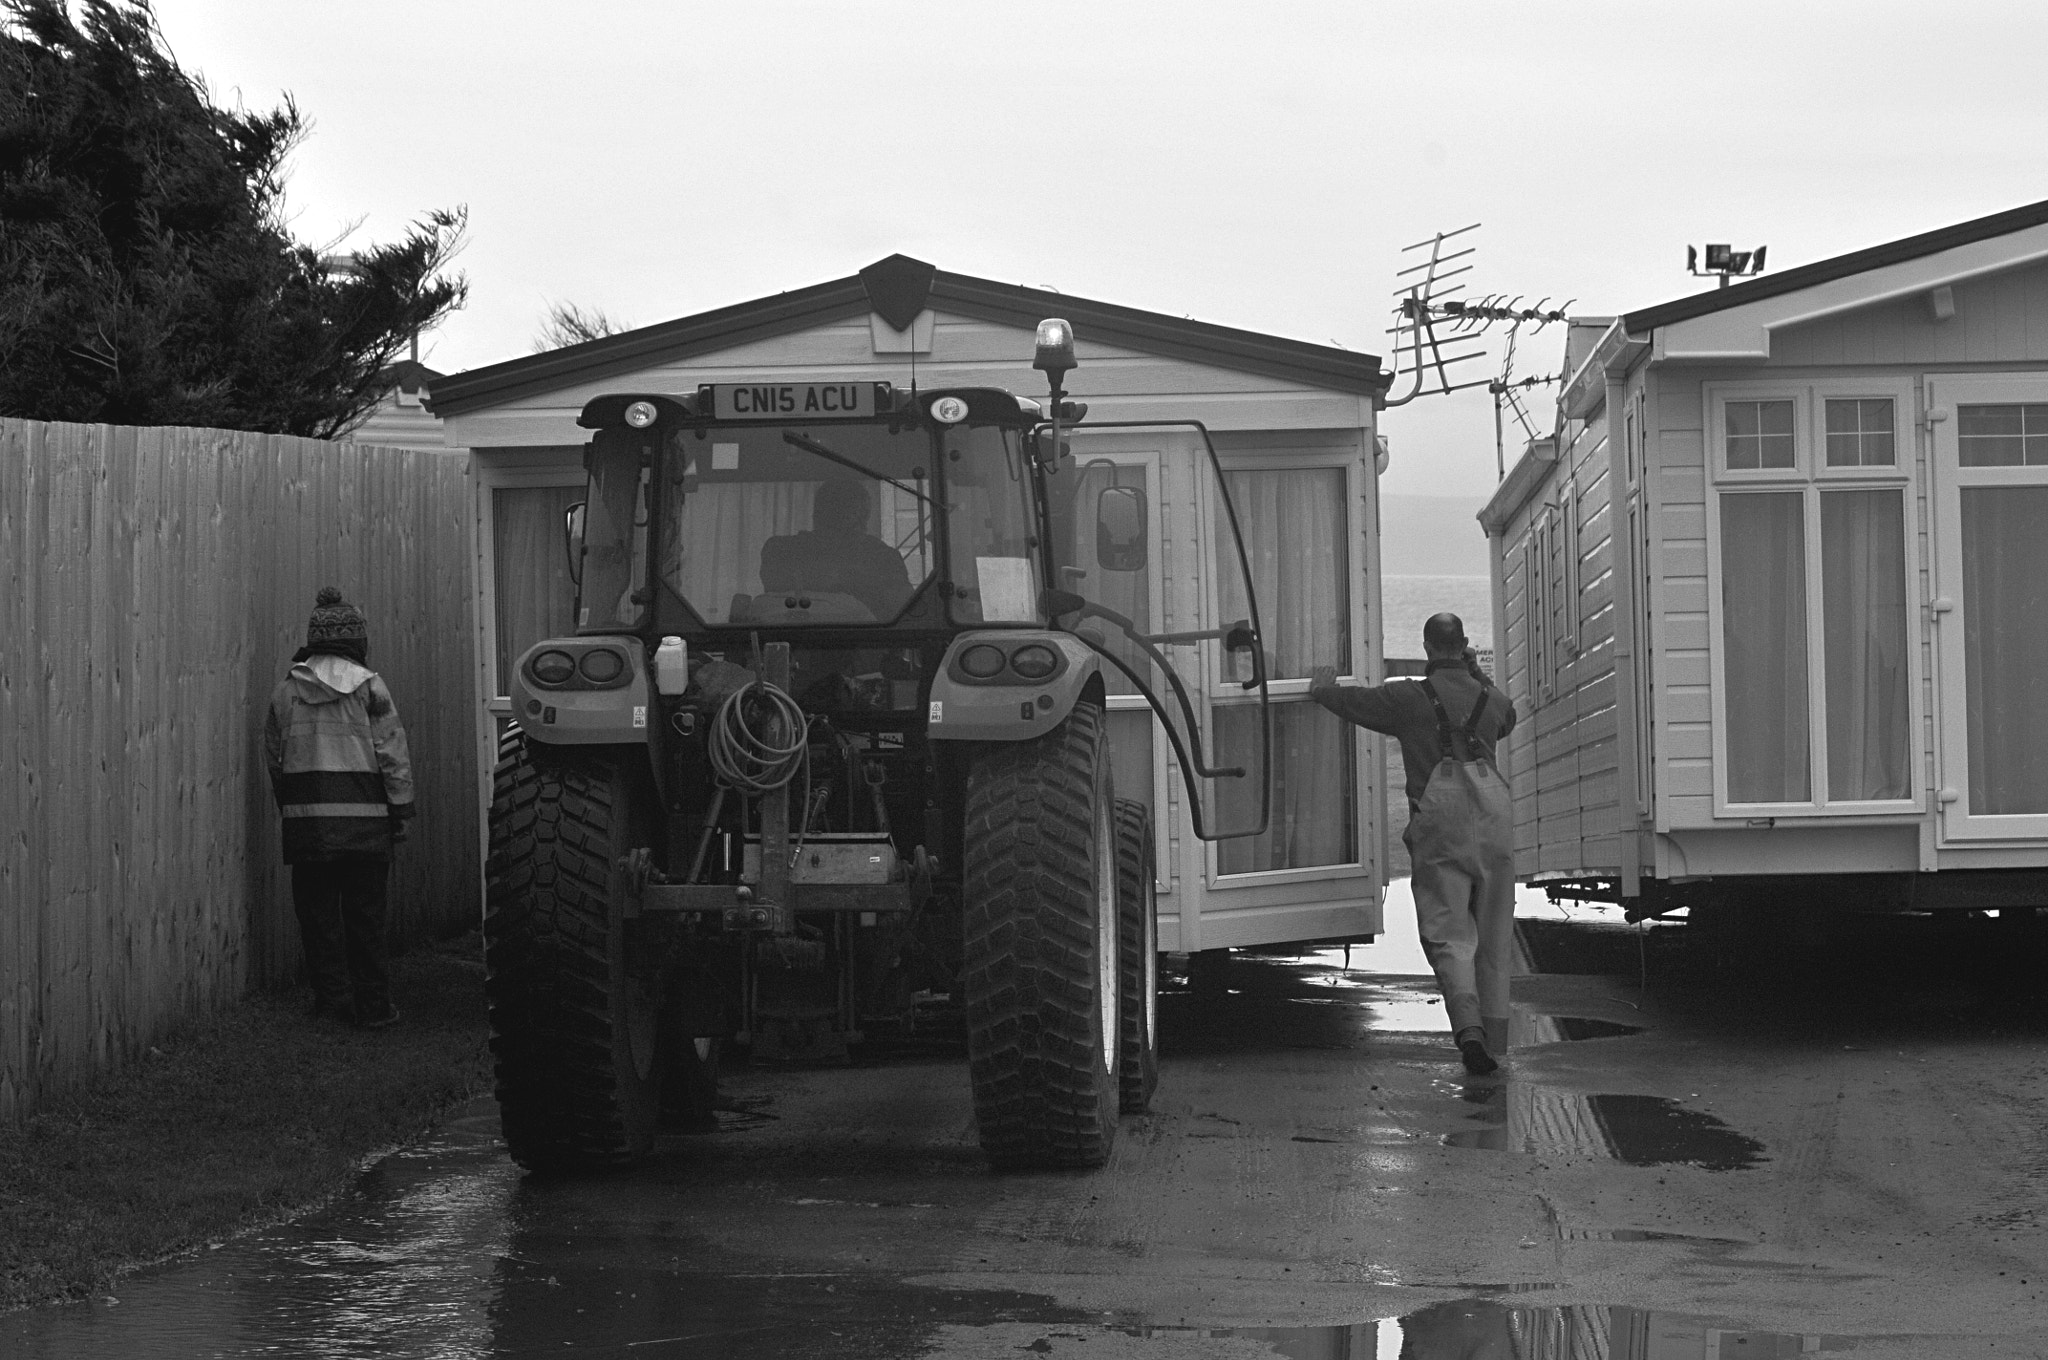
1256	165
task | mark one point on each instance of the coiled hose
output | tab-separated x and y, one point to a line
748	758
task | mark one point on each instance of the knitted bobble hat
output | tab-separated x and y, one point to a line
335	620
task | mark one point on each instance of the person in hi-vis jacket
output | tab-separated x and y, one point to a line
1460	832
343	781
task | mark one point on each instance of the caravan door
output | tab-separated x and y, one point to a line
1989	600
1312	874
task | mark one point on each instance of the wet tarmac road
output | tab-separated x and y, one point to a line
1705	1176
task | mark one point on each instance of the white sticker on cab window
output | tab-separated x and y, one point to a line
639	715
725	458
1006	593
938	713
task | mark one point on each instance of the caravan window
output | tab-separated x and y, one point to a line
1860	432
532	593
1813	663
1297	532
1759	434
2006	435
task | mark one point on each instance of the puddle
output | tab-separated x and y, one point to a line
1648	1235
1574	1027
1652	1131
1310	1000
1639	1130
1468	1328
1300	1001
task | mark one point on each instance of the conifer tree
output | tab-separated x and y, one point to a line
147	276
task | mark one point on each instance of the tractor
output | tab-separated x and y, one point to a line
825	760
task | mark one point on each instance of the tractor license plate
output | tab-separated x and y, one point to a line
792	401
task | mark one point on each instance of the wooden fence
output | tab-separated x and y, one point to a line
153	586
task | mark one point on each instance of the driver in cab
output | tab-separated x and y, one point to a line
838	555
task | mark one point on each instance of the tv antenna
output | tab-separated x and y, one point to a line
1434	329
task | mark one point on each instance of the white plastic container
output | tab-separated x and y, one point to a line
672	666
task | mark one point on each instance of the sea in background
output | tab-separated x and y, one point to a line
1406	602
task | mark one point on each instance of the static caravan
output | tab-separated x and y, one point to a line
1292	426
1774	596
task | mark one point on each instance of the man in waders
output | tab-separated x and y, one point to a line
1460	829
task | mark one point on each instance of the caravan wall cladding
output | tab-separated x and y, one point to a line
1555	584
154	584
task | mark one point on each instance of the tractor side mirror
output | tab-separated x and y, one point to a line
1120	528
572	539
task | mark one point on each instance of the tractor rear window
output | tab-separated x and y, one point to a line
770	525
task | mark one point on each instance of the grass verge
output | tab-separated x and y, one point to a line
232	1122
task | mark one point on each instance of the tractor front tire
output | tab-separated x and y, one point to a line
572	1027
1041	944
1137	911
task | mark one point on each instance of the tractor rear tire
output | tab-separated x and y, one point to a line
1137	910
572	1028
1041	944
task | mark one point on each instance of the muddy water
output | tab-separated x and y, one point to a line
1318	1180
444	1249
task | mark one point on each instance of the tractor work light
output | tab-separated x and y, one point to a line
601	665
982	661
949	410
641	414
1033	661
1055	356
552	668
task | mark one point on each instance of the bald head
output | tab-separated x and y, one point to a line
1443	637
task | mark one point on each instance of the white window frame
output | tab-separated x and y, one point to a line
1539	604
1717	433
1810	476
1569	583
1216	683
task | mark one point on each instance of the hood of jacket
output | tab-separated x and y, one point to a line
325	678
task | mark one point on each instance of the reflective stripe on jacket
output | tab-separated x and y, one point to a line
338	763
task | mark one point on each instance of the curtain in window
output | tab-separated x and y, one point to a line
1763	620
1863	619
721	528
1295	526
530	569
2005	646
1315	819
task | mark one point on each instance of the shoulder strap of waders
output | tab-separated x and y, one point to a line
1443	720
1472	723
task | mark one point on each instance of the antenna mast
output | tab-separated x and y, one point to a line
1434	329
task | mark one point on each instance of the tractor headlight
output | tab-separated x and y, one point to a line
552	668
949	410
1034	661
641	414
601	665
982	661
